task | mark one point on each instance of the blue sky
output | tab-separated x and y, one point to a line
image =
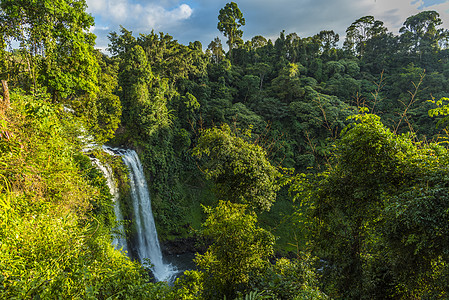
196	20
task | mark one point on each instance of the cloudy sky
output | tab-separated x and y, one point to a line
196	20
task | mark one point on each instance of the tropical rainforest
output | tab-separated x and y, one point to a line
295	168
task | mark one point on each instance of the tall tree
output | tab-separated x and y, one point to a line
420	27
102	114
348	200
230	20
142	95
56	41
240	249
361	31
171	60
328	40
239	168
258	41
420	37
216	49
380	212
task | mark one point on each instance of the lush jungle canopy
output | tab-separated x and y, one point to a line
301	168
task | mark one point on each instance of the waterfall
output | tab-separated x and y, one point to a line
148	247
119	239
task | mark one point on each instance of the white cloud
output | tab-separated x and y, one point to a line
394	13
103	28
135	15
95	6
118	10
184	11
157	17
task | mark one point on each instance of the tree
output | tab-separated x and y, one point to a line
258	41
442	109
381	52
168	59
230	20
260	69
143	94
348	200
171	60
415	225
287	86
378	215
5	95
329	40
102	112
420	36
216	49
361	31
249	86
421	26
58	48
240	169
150	68
240	250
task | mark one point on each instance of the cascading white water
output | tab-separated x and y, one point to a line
148	247
119	240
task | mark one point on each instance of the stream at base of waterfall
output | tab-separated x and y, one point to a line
147	243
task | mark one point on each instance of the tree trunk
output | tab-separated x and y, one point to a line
5	104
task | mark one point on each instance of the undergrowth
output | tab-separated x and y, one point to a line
55	213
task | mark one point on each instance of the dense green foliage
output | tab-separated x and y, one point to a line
57	56
240	250
56	214
57	48
349	129
378	214
238	261
238	168
230	20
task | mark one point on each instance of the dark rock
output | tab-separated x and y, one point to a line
184	245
